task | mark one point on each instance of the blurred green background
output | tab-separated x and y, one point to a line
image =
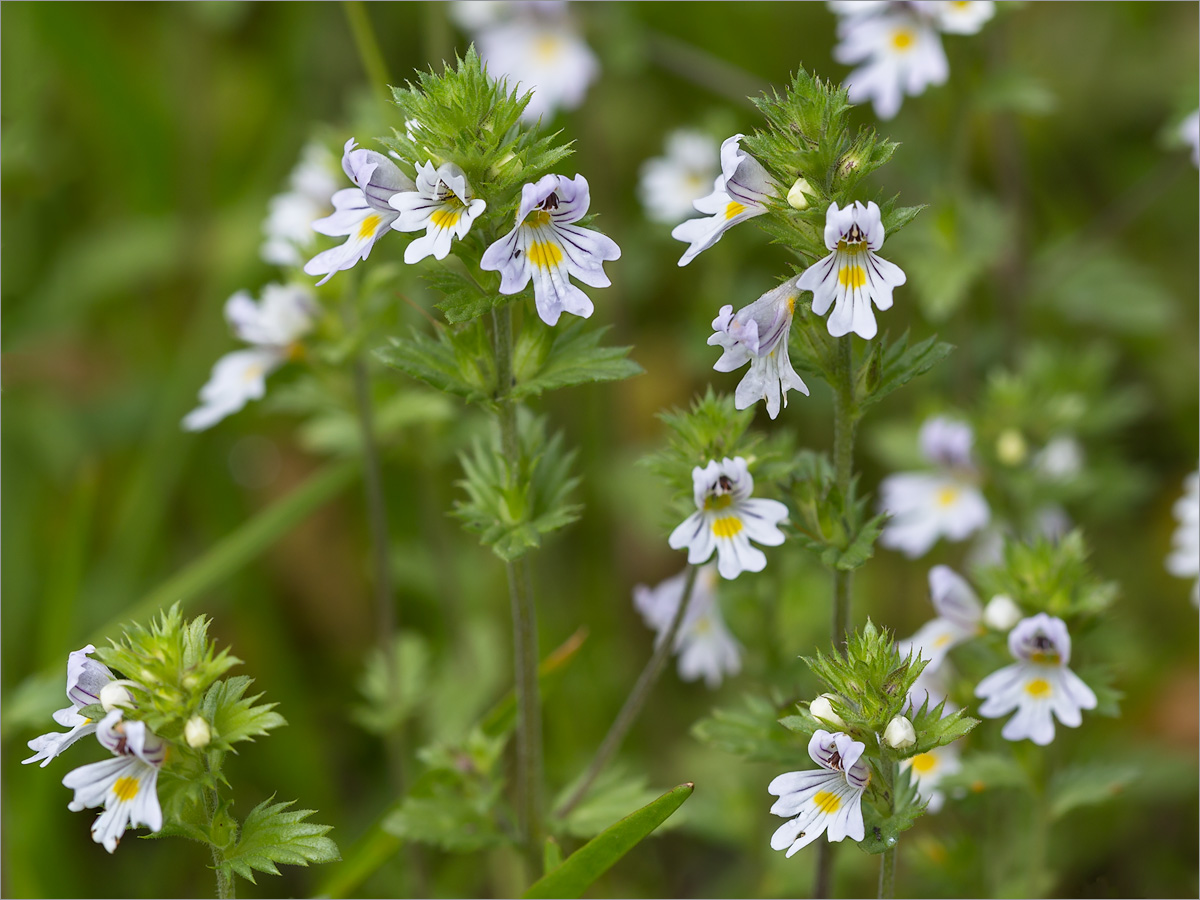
140	145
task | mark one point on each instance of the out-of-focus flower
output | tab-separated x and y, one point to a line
827	800
1184	559
288	229
703	643
1001	613
927	505
852	277
1189	131
86	679
273	328
897	53
928	769
549	248
1039	686
534	45
127	785
727	518
959	615
758	334
739	193
668	185
1060	460
442	204
958	16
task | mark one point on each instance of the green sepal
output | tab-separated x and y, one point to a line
1052	576
936	728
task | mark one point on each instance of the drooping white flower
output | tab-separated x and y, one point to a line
536	47
958	16
1184	559
127	785
827	800
273	328
442	204
946	502
1189	131
852	277
1039	686
727	518
958	619
668	185
929	768
86	679
546	246
703	643
739	193
758	334
900	53
288	229
362	213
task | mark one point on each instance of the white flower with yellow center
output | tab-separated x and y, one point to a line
852	277
925	506
958	16
928	769
442	204
727	518
1039	686
900	53
548	248
827	800
274	328
361	213
670	184
703	642
1184	559
86	681
126	786
959	616
739	193
288	229
758	334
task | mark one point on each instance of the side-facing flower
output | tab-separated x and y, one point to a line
273	328
442	204
127	785
703	643
900	53
727	518
1039	686
958	16
852	277
928	769
668	185
958	619
827	800
946	502
739	193
1184	559
758	334
546	246
86	680
362	213
288	229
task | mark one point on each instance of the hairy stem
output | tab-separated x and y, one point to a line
212	805
887	864
634	702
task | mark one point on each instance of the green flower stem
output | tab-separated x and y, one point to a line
212	805
634	702
524	614
887	863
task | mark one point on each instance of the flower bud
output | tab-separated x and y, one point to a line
197	732
796	196
115	695
900	733
1010	447
1001	613
823	710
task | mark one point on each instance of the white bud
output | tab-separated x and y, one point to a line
796	196
900	733
1001	613
197	732
823	710
115	695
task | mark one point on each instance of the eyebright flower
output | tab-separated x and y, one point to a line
1038	684
361	212
927	505
273	328
127	785
758	335
900	52
288	228
670	184
826	800
852	275
86	679
442	204
548	248
703	643
739	193
928	769
1060	460
959	615
727	518
1184	559
958	16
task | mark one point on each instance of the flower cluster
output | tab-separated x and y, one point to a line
288	229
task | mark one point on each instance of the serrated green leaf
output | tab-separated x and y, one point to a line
274	834
882	827
750	731
458	363
450	811
936	728
583	867
901	364
1087	784
235	717
388	701
573	357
